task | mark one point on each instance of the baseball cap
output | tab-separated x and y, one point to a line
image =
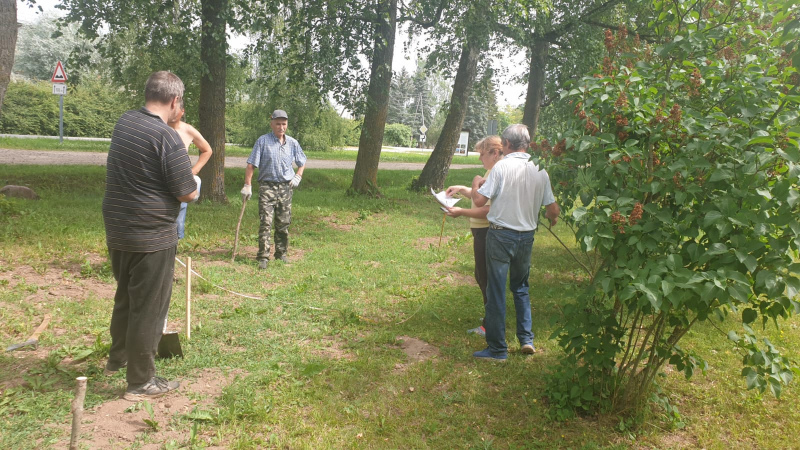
279	114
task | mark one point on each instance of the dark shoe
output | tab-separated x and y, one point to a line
262	264
528	349
487	354
112	368
154	388
282	258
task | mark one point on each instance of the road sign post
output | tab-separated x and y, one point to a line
59	80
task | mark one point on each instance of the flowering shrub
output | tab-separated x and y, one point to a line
680	172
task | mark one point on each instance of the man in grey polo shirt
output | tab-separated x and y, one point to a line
273	155
518	189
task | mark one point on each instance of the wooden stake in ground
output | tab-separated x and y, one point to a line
441	233
238	225
188	297
77	412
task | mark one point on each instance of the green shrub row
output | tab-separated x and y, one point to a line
90	109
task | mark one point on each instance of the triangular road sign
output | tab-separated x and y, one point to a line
59	76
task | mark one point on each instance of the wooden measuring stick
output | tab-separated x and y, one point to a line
77	412
188	297
441	233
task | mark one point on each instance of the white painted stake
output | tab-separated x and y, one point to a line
188	297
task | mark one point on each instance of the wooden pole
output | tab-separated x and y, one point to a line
238	225
441	233
77	412
188	297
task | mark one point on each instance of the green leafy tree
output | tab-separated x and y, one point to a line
43	42
471	32
8	43
187	38
679	173
560	39
401	97
482	108
398	135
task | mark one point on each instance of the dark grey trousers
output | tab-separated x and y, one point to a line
479	251
144	288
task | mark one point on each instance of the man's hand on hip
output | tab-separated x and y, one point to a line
296	181
247	192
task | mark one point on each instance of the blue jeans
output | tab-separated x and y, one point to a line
181	220
508	253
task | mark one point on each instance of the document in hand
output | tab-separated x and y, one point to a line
444	200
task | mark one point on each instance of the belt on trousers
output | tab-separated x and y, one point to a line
498	227
274	183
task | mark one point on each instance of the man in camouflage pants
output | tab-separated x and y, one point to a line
273	155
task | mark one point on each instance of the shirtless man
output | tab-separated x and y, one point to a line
190	135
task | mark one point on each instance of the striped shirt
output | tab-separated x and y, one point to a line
274	160
147	169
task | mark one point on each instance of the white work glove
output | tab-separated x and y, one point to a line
296	181
247	192
197	180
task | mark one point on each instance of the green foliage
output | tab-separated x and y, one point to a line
90	109
679	171
41	44
397	135
7	208
30	108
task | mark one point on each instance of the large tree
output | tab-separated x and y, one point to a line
8	43
562	42
213	53
358	71
365	176
141	36
470	29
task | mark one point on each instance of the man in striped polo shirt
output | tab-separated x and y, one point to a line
148	175
273	155
518	188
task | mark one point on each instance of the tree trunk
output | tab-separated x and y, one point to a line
213	54
8	44
365	176
533	100
437	166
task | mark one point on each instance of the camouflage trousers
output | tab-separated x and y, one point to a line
274	204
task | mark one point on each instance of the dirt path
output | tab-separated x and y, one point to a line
61	158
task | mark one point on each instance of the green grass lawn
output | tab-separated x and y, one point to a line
318	351
230	150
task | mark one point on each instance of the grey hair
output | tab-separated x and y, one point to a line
162	87
517	136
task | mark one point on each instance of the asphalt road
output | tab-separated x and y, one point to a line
61	158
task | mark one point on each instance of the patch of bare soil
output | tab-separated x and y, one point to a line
52	283
331	348
431	242
47	284
416	350
245	254
118	423
337	223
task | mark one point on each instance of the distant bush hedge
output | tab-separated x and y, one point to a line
397	135
90	109
316	130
